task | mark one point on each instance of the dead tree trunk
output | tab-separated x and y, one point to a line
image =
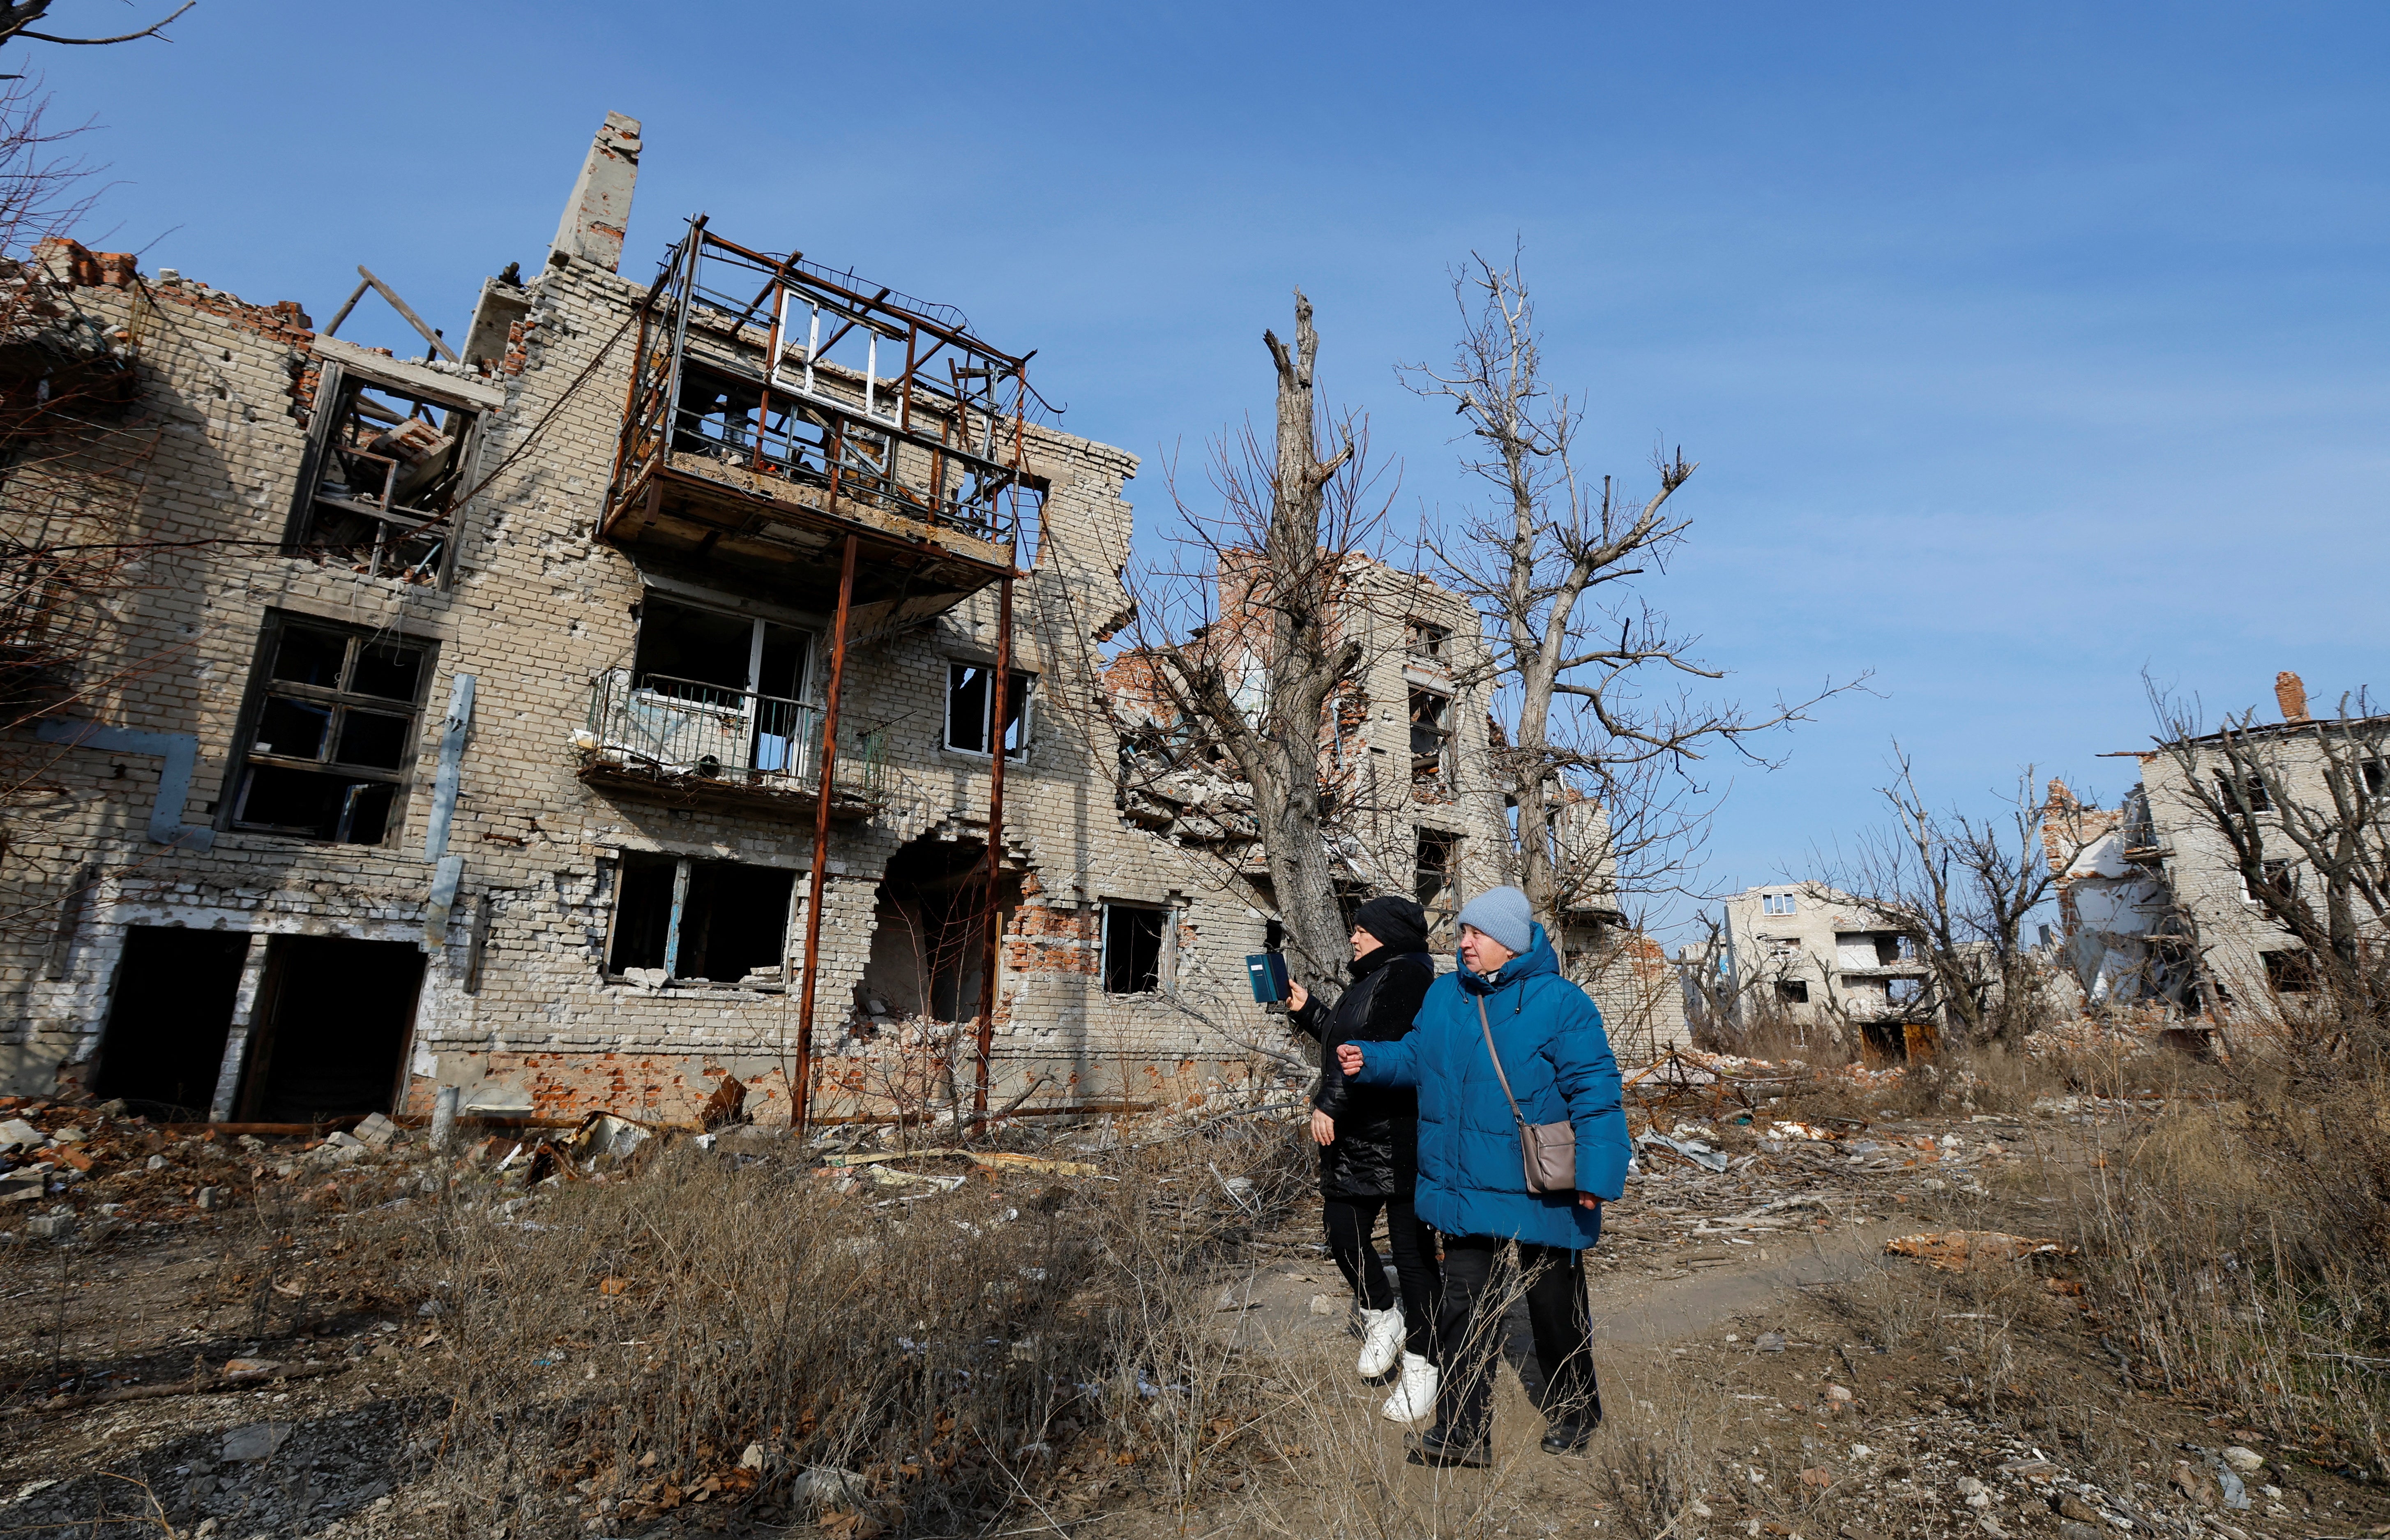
1288	594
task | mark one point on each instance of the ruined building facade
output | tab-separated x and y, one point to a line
2177	917
1802	953
470	723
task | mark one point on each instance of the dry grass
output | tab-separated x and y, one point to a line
2237	1249
715	1336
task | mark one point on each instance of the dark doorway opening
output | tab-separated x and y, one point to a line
334	1024
1884	1041
168	1018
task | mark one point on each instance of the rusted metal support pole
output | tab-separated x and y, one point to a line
800	1093
991	950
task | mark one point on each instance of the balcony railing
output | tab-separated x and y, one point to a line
684	729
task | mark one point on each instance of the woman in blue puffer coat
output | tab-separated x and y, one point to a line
1473	1184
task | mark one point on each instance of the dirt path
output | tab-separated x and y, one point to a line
1642	1313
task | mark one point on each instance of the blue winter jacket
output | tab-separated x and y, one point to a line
1471	1180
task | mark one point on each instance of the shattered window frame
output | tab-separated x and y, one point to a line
1019	710
1431	713
1793	992
2282	877
278	703
1436	885
2251	789
1163	920
406	529
694	886
1425	639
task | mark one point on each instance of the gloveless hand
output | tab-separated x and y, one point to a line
1297	998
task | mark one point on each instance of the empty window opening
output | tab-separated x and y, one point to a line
388	463
168	1018
1793	992
718	922
710	693
1904	991
335	1016
2242	793
1133	948
1777	904
1864	949
2290	972
968	703
1431	734
2280	880
2375	774
1433	873
334	722
1426	641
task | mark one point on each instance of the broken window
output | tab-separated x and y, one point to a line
1776	904
333	725
1133	935
2288	972
710	692
2280	880
2375	774
704	921
385	467
2241	791
968	703
1434	870
1431	734
1425	641
1793	992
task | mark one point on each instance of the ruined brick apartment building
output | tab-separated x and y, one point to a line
478	719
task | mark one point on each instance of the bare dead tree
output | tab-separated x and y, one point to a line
2299	807
1247	636
17	19
1548	563
1961	889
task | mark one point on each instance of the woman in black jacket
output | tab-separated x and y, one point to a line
1368	1150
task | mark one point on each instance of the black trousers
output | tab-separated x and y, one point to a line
1351	1221
1470	1333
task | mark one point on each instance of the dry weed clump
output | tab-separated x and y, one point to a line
730	1335
2241	1250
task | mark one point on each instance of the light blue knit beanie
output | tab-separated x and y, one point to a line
1505	915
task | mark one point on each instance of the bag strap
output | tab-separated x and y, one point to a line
1517	1116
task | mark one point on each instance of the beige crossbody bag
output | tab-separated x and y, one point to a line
1549	1150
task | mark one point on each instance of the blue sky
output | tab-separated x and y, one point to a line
2022	347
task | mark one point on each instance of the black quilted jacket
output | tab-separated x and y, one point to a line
1376	1152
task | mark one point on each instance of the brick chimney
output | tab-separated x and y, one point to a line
600	205
2292	696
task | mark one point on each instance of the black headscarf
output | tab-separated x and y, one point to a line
1399	924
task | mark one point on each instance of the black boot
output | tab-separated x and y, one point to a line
1568	1436
1437	1447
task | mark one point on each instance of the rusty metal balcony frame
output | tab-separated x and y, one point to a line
839	438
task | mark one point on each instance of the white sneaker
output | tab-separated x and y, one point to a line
1381	1340
1414	1397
